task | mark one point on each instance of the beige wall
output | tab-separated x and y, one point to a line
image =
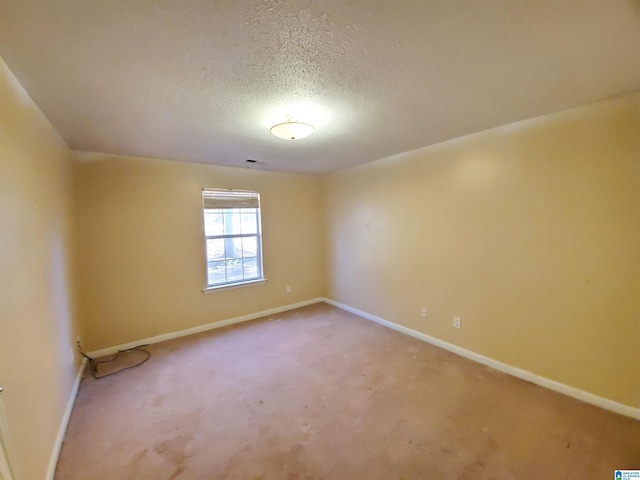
141	246
37	365
529	232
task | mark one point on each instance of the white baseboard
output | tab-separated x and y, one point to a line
53	461
202	328
503	367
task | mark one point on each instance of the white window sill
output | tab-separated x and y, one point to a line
235	285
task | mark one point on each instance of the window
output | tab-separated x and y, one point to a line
233	237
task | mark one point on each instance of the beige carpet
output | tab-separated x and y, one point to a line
317	393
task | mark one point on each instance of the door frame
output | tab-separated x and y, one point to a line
5	446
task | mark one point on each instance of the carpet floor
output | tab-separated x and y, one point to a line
318	393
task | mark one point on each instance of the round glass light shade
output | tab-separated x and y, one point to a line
292	130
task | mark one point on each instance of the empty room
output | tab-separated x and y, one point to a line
319	240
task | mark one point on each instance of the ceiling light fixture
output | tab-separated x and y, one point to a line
292	129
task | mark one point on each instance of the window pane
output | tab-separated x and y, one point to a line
250	267
213	222
215	249
231	221
233	248
249	247
236	258
216	273
234	270
249	220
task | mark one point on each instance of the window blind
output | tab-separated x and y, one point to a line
219	198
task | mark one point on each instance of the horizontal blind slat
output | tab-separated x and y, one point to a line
218	198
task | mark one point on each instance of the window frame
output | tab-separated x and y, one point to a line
242	195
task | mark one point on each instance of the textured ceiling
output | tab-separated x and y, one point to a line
203	81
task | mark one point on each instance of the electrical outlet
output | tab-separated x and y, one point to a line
424	313
287	289
457	322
